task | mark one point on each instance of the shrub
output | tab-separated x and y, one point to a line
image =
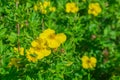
59	40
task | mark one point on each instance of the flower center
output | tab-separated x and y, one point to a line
88	61
52	36
92	9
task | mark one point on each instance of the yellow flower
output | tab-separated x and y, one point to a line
42	53
37	52
88	63
15	49
14	62
61	37
34	43
53	43
35	7
40	47
39	43
46	4
43	11
94	8
84	0
42	43
46	33
31	56
49	36
42	8
40	4
52	9
71	8
21	50
49	31
53	40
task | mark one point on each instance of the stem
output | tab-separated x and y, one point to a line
18	33
89	75
18	28
43	26
17	3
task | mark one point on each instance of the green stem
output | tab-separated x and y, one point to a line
18	30
42	24
89	76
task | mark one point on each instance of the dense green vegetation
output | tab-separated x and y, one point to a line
88	47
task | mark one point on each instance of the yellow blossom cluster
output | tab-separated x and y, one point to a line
88	63
14	62
71	8
21	51
94	8
42	46
84	0
44	7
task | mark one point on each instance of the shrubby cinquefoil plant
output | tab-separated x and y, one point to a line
59	39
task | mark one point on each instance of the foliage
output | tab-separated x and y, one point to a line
90	28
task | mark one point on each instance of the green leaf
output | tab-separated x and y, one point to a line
2	32
12	37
